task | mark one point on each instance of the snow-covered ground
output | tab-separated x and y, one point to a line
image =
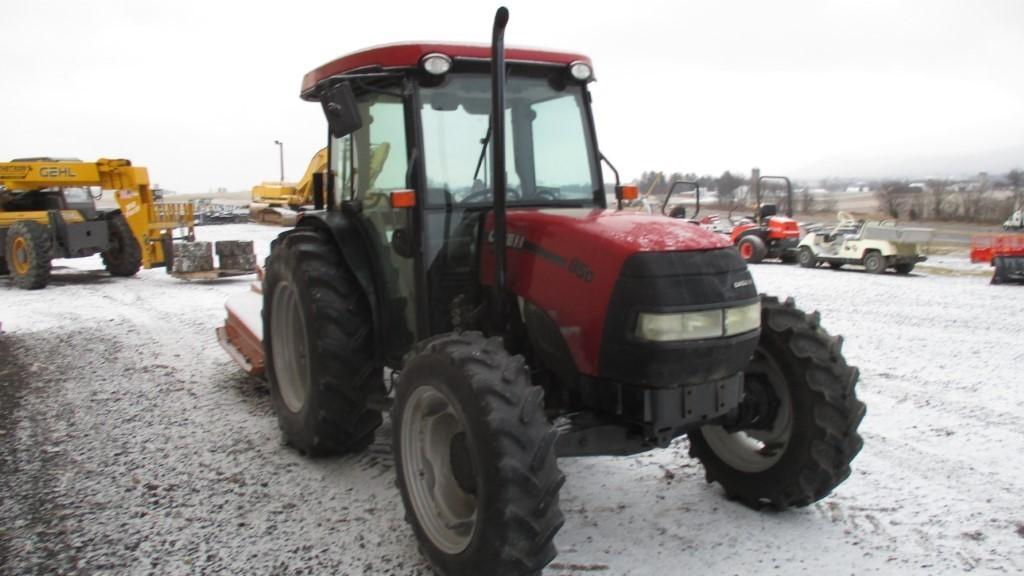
130	443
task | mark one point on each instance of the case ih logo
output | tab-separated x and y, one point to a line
12	172
54	172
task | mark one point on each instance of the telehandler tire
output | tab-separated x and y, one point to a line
124	256
27	252
752	249
808	437
475	458
318	337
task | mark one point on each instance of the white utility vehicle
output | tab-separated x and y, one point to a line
874	245
1015	222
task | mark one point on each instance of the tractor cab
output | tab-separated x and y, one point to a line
75	198
417	171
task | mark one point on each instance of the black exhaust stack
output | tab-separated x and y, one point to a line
498	161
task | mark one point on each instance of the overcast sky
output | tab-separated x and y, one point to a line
199	90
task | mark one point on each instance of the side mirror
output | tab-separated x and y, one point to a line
340	109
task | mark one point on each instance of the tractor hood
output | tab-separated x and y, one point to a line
568	262
614	232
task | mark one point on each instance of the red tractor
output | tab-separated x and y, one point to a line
766	234
519	318
1004	252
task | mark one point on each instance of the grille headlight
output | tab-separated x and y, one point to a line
742	319
685	326
700	325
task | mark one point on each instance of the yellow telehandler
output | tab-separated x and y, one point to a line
48	210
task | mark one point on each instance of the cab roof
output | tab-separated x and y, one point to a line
408	55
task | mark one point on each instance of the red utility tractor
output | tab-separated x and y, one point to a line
766	234
519	318
1006	254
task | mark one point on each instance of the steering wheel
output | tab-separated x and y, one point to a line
483	193
547	193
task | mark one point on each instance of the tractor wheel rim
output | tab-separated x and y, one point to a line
754	451
21	258
291	347
746	250
445	511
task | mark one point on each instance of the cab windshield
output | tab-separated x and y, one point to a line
549	155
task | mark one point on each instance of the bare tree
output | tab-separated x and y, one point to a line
1016	180
892	195
727	185
806	200
939	190
975	198
831	202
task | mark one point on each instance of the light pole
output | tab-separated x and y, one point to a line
280	149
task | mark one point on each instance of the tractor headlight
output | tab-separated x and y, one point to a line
581	71
742	319
437	64
683	326
700	325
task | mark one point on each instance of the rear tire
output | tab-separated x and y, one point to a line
806	257
997	273
805	450
27	251
752	249
904	268
874	263
475	458
124	256
318	337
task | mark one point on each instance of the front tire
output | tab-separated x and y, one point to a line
806	257
318	337
124	255
27	252
803	448
475	458
874	263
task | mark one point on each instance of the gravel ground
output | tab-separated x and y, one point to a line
132	444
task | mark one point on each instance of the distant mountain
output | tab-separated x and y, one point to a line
995	162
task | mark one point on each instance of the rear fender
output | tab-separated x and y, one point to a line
352	241
744	230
